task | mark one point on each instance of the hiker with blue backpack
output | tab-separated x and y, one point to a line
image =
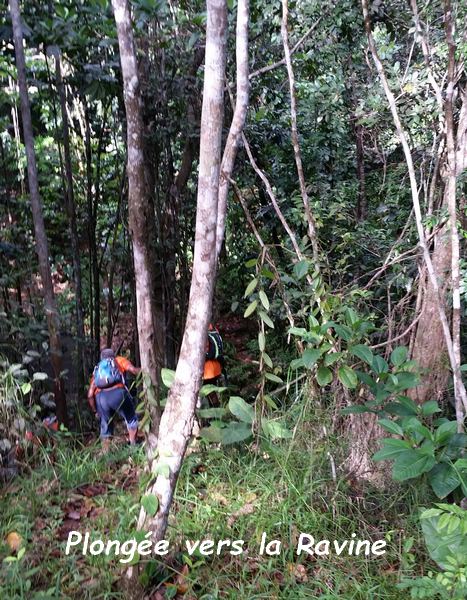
108	394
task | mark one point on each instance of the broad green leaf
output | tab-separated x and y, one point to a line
344	332
269	401
299	331
351	316
251	263
267	360
264	299
413	424
301	269
399	356
297	363
379	365
209	389
445	431
261	341
243	411
235	432
266	319
167	376
391	449
323	376
250	287
363	353
26	387
267	273
430	408
273	377
391	426
310	356
443	479
150	503
407	380
410	464
275	429
250	309
399	409
330	359
347	377
313	321
441	545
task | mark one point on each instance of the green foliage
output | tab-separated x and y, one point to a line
435	449
445	531
231	432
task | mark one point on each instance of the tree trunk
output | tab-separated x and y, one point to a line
140	211
71	211
362	207
429	349
42	249
177	419
238	119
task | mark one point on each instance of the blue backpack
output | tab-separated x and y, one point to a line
107	373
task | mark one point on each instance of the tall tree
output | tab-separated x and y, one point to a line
140	208
42	248
71	212
177	419
452	343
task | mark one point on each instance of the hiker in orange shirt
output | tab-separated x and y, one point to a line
108	394
214	364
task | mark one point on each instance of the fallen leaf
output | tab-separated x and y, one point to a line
14	541
299	572
181	582
92	490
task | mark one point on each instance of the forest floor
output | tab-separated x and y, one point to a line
283	489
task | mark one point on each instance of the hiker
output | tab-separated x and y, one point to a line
108	394
214	363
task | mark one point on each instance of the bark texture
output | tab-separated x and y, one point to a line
140	210
177	419
238	119
42	247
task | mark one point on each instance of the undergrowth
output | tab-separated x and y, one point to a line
233	492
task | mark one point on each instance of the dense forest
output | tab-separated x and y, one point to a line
233	281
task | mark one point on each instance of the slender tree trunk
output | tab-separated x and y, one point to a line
91	235
140	211
362	207
42	249
177	419
238	119
312	233
71	211
451	184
